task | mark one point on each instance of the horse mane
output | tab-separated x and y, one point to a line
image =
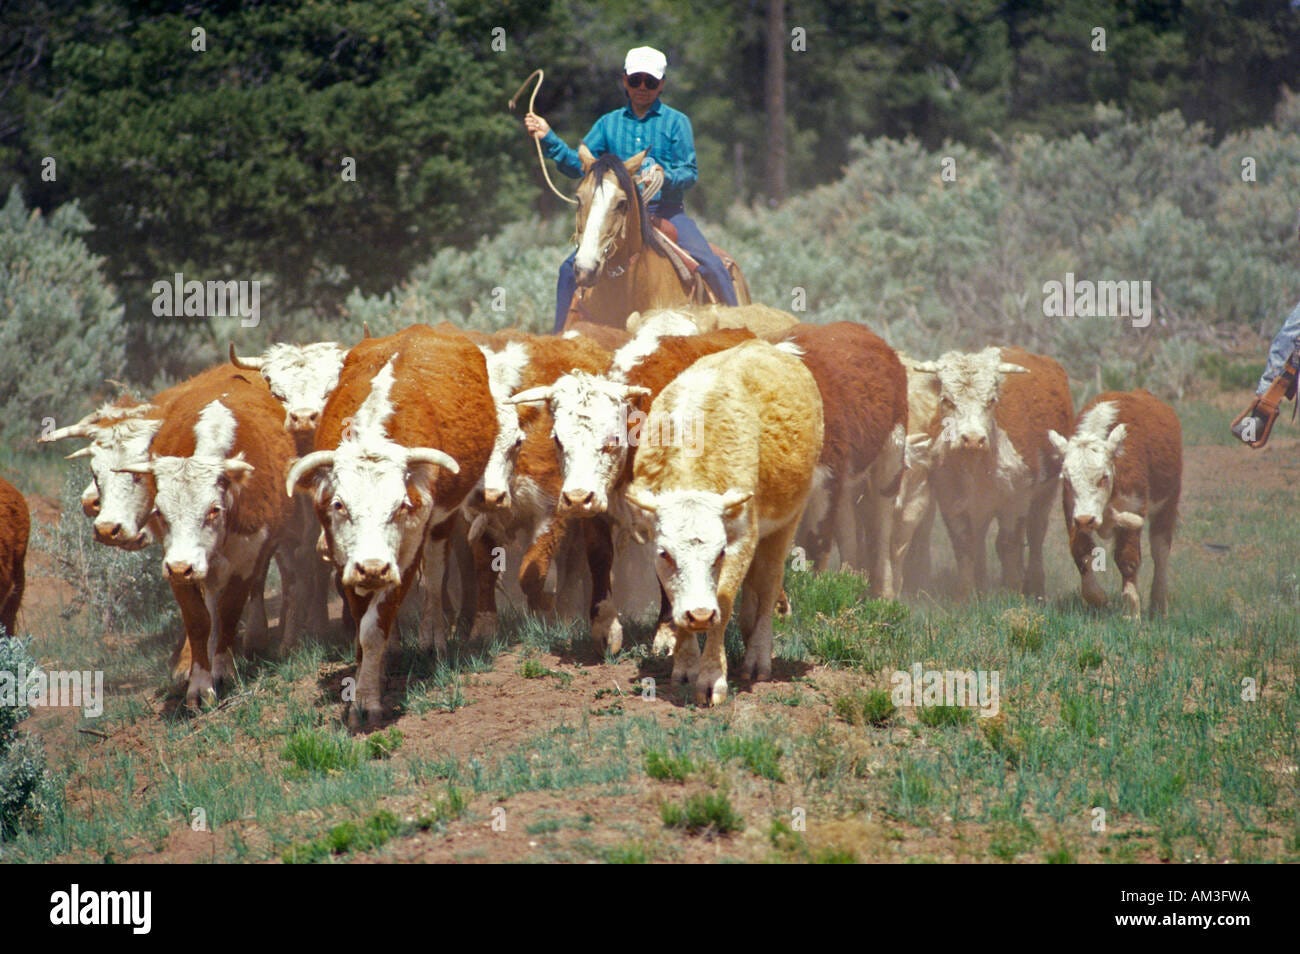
609	162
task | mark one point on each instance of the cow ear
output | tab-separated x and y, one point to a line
1116	438
733	501
642	500
1058	442
586	157
916	453
237	470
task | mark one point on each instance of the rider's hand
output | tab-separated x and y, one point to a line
537	126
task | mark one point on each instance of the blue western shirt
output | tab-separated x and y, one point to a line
665	131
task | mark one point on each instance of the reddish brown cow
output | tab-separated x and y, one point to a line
597	425
402	441
521	484
864	395
1123	467
990	457
216	466
15	525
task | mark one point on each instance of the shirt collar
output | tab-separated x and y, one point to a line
652	111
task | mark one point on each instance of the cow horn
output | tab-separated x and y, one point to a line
636	390
365	329
313	461
144	467
84	452
640	501
1007	367
81	429
247	364
531	395
926	367
429	455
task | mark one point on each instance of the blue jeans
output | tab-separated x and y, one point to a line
1283	344
688	237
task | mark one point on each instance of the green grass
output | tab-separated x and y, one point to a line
708	813
667	768
313	750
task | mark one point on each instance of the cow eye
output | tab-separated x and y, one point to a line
665	555
338	506
214	514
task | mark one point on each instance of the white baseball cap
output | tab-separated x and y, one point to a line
645	59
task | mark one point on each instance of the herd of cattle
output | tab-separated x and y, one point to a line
711	443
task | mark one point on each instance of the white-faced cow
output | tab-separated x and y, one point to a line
990	457
215	467
302	377
403	440
913	520
723	512
864	396
15	525
598	422
517	496
1122	468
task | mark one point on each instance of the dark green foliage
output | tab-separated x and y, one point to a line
61	331
121	588
26	790
705	813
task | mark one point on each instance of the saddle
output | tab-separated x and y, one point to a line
688	269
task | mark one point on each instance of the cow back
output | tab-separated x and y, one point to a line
1029	405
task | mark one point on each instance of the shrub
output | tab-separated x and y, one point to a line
121	588
26	790
62	332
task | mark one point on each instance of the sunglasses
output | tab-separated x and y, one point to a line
636	79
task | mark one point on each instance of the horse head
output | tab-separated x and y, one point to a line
612	224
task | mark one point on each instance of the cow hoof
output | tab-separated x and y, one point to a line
665	640
485	626
607	632
783	607
756	669
1093	594
710	690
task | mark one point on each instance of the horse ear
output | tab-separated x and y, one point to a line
585	157
633	165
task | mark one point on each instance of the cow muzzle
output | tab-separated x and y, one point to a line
974	442
181	571
370	575
699	619
115	535
496	499
579	501
301	421
1086	522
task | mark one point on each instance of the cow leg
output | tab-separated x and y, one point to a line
229	605
876	518
969	564
9	614
844	527
1040	515
665	635
1011	551
979	552
485	550
374	637
1162	539
606	630
292	601
547	542
433	621
1128	557
764	580
194	614
257	630
915	558
1081	548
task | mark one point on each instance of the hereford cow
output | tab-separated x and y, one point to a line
990	457
864	395
15	525
402	441
1123	468
763	320
913	520
302	377
597	425
517	496
215	467
121	502
723	512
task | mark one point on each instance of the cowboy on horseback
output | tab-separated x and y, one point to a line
644	123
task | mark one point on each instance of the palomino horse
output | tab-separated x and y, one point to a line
621	266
